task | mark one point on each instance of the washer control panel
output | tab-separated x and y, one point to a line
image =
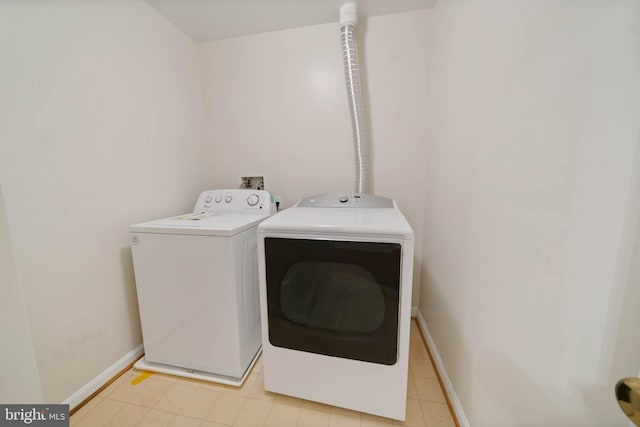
235	200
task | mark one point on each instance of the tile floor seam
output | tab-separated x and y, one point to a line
193	389
284	404
248	400
147	410
212	403
112	415
190	397
235	415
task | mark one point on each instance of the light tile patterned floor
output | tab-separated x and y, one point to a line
166	401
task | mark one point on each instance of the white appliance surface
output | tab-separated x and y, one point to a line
214	224
362	386
381	222
196	278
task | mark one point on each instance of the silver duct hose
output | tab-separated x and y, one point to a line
348	20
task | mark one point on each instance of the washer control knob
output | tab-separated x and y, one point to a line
253	199
344	199
218	198
208	199
228	199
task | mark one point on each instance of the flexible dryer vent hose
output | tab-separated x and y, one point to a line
348	21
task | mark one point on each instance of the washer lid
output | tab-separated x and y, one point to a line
206	224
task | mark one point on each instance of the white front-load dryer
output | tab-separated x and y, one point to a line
197	285
335	294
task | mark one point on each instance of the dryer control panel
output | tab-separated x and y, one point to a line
346	200
246	201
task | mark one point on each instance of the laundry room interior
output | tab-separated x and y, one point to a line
506	131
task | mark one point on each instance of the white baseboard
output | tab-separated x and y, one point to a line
448	385
94	385
414	311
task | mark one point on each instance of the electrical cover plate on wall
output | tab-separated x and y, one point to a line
255	182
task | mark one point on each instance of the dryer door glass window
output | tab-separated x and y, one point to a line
337	298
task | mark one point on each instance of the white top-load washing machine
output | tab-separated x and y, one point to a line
335	294
197	284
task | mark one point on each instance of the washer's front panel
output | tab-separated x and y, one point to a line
187	300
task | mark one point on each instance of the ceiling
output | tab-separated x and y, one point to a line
205	20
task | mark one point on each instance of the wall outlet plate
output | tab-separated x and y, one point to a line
255	182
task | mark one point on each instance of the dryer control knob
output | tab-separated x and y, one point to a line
208	199
344	199
253	199
227	199
218	198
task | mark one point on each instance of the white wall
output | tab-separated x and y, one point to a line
19	379
101	127
277	106
532	206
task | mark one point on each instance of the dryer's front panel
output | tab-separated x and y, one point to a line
336	298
